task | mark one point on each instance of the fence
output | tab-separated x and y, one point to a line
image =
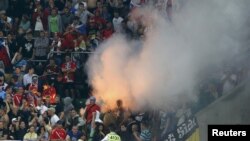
72	55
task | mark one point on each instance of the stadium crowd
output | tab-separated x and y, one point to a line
44	45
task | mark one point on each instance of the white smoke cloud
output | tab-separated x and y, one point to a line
165	67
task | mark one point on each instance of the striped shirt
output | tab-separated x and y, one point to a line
146	135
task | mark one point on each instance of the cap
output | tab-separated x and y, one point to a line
14	119
92	98
51	109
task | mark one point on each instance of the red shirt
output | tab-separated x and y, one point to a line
58	133
99	20
52	69
89	110
17	99
68	42
68	77
106	33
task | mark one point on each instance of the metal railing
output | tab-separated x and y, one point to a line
63	52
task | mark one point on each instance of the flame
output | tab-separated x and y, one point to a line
112	84
49	92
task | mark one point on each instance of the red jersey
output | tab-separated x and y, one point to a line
68	76
52	69
89	110
106	33
68	42
58	134
17	99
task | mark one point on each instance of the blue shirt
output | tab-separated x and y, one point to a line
3	95
74	137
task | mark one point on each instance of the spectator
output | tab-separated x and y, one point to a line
31	135
12	45
41	47
67	18
105	14
5	22
43	134
15	114
120	112
69	37
4	131
78	26
55	22
145	132
13	129
55	48
25	23
58	133
58	106
74	134
19	62
112	135
123	133
108	31
99	132
90	108
83	14
18	95
75	120
68	106
4	56
68	69
2	93
4	117
117	22
27	78
27	48
8	100
19	74
21	131
53	117
38	20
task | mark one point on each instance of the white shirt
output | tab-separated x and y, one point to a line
83	16
54	119
117	24
39	24
27	79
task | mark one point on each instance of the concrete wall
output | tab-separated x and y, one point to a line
231	108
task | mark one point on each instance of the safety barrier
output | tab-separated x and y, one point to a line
72	54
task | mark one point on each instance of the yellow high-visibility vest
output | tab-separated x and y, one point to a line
112	136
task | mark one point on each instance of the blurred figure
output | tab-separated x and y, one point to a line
31	135
4	131
117	22
74	134
27	48
41	47
68	69
90	109
55	22
112	136
25	23
58	133
145	134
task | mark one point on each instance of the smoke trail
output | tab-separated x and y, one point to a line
165	67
